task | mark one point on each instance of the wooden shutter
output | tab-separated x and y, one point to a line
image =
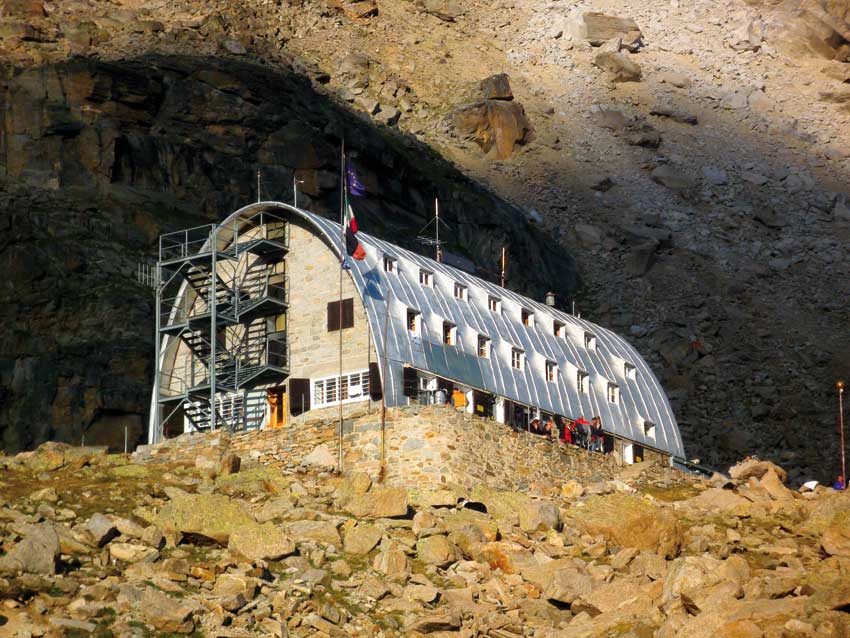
411	382
299	396
333	316
348	313
375	389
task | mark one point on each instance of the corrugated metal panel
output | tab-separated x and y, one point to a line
640	399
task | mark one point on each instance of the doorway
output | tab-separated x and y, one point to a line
276	398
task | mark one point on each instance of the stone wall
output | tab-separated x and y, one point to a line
432	444
313	282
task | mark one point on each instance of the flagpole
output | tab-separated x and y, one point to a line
437	218
342	201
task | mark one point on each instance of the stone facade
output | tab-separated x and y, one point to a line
313	282
434	443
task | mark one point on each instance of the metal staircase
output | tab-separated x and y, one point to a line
218	290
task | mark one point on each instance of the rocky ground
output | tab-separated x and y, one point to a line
96	546
692	157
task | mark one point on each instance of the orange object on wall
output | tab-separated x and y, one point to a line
277	407
458	399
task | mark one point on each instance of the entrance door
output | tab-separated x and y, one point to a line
277	407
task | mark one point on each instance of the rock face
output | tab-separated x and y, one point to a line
150	143
36	553
629	521
211	516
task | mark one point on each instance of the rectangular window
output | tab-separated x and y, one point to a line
517	359
426	278
494	304
449	334
527	317
629	371
551	371
390	264
589	341
413	321
346	316
483	347
559	329
613	393
328	391
649	429
461	292
581	381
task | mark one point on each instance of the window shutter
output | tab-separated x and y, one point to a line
299	396
411	382
333	316
375	389
348	313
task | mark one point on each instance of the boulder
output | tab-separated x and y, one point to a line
629	521
598	28
836	537
538	516
321	458
257	480
362	538
435	621
230	464
132	553
165	613
672	178
36	553
101	529
497	87
355	484
496	126
567	584
211	516
319	531
445	10
392	563
436	550
234	591
503	506
257	542
772	484
47	494
755	468
23	8
618	66
274	508
379	502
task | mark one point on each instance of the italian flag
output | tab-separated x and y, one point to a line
352	245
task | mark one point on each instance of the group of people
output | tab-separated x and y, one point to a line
584	434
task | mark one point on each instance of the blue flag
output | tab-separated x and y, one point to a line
355	186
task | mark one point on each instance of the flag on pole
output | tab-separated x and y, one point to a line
355	187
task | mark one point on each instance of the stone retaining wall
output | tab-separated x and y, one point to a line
432	444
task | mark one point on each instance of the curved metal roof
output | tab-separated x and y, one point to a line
641	398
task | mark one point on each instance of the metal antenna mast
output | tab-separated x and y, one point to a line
434	241
258	187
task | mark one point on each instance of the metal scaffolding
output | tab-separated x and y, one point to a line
222	295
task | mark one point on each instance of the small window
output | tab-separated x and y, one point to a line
559	329
413	321
426	278
629	371
390	264
494	304
449	334
590	341
527	317
551	371
581	381
340	317
613	393
649	429
461	292
517	359
483	347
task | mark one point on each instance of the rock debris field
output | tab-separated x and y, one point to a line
96	546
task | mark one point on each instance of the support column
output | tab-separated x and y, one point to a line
213	307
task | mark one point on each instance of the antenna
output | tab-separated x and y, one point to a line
434	241
258	187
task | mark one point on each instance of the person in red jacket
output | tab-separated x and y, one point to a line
569	429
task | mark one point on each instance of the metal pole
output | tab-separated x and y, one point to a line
258	187
156	435
213	340
503	267
341	259
125	439
384	385
840	385
437	218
